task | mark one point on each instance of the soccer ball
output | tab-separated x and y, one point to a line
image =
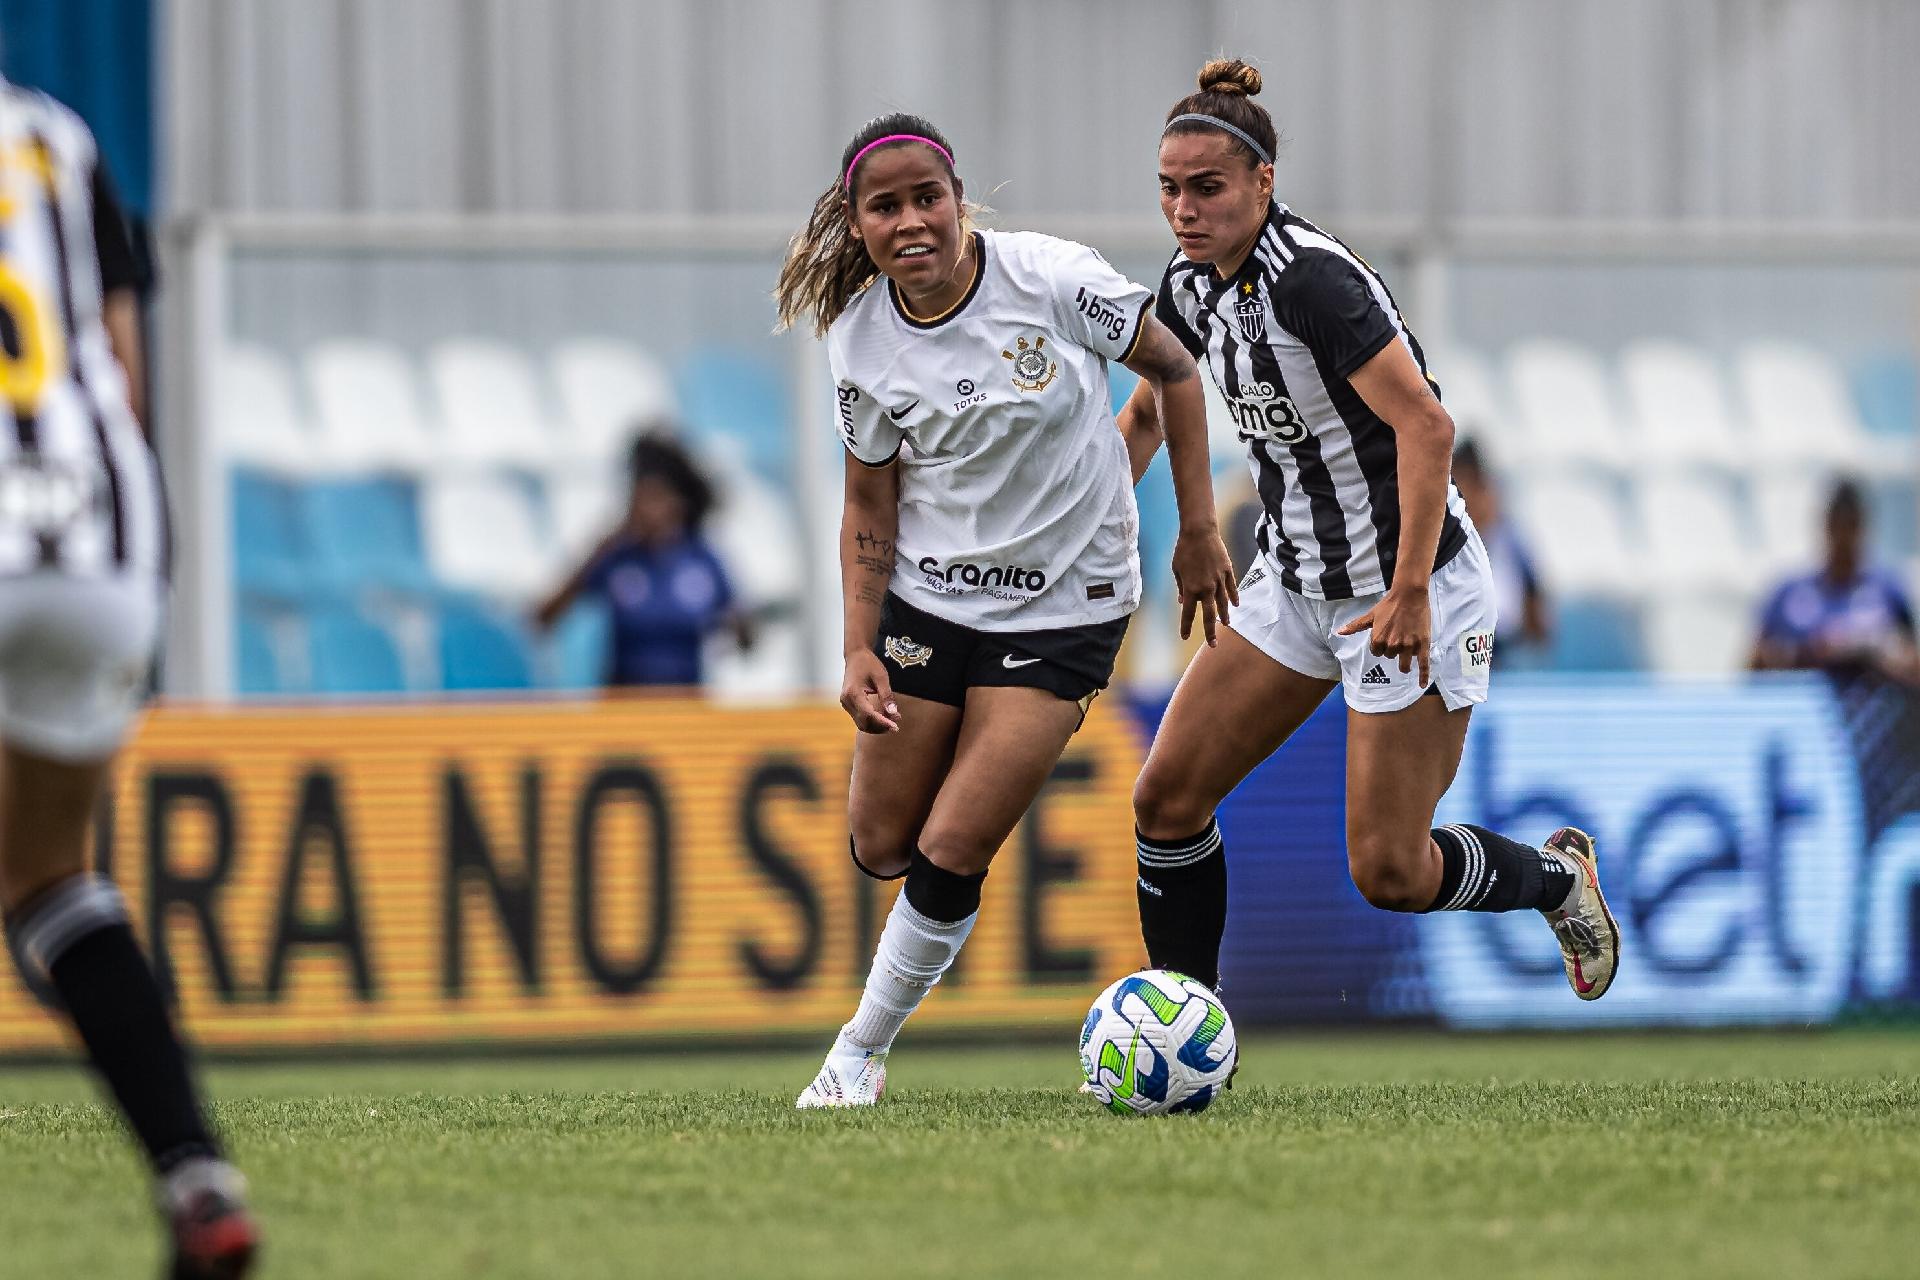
1157	1042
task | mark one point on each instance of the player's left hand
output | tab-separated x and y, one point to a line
1203	573
1402	626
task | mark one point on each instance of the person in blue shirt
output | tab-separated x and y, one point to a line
664	588
1517	586
1847	618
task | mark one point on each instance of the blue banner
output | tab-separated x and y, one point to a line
1759	842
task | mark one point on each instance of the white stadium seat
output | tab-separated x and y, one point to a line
1565	405
1789	507
1678	406
256	414
608	389
369	407
1696	538
582	506
1694	633
1800	407
482	534
490	402
1472	396
1586	544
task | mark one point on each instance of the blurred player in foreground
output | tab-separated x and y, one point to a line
1371	578
989	542
82	590
1848	618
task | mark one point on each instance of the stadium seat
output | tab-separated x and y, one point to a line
755	530
583	505
1471	394
256	414
490	404
1887	390
351	654
1696	538
371	417
270	548
483	535
1699	633
1799	406
365	533
576	653
1565	406
1594	633
1678	407
608	390
1788	507
1581	532
258	666
479	649
726	393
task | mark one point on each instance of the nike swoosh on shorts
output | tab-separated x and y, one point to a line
1024	662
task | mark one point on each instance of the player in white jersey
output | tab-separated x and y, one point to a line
81	595
989	539
1371	578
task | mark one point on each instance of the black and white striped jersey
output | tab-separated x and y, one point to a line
1281	338
79	490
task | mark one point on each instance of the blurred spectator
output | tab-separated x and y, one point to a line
666	591
1526	624
1846	618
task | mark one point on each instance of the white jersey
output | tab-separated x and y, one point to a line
79	491
1016	498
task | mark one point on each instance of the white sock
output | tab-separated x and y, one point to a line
914	951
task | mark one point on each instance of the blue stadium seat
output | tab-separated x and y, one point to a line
366	533
481	650
270	549
1887	389
1594	633
723	391
352	654
259	669
580	647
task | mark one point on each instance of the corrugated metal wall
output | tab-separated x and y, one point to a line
1646	109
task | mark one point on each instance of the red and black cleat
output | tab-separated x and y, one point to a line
214	1236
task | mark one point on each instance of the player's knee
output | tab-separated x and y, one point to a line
961	852
1163	809
879	849
1387	882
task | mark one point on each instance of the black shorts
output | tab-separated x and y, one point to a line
931	658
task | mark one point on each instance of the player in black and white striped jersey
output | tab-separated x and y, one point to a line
1371	577
82	589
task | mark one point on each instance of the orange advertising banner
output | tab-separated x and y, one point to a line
534	873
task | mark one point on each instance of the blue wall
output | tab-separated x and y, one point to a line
97	57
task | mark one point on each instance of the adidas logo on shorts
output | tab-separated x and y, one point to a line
1376	675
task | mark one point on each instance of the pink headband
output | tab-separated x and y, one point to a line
861	154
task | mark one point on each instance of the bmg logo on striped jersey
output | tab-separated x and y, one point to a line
1262	412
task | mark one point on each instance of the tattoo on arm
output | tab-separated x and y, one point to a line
1162	356
873	554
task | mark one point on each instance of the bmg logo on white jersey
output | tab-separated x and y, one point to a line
1265	414
1104	314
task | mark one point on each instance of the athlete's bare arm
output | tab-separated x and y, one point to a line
869	522
1394	388
1139	423
1202	570
121	312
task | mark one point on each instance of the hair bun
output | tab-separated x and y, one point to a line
1229	75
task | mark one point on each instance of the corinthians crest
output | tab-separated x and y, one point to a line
905	653
1250	310
1032	370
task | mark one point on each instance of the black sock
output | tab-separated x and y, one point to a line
1482	870
1183	902
75	939
939	894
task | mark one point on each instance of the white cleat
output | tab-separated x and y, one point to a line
848	1078
1589	939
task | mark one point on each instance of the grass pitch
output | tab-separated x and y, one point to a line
1351	1156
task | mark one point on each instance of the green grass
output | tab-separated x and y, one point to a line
1386	1155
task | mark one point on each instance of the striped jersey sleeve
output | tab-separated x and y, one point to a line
1323	300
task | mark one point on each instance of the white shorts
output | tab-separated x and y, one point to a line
74	654
1303	633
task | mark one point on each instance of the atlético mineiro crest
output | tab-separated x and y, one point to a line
1250	311
1032	371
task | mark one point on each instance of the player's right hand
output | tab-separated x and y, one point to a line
866	694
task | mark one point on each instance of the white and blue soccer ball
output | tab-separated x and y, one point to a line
1157	1042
